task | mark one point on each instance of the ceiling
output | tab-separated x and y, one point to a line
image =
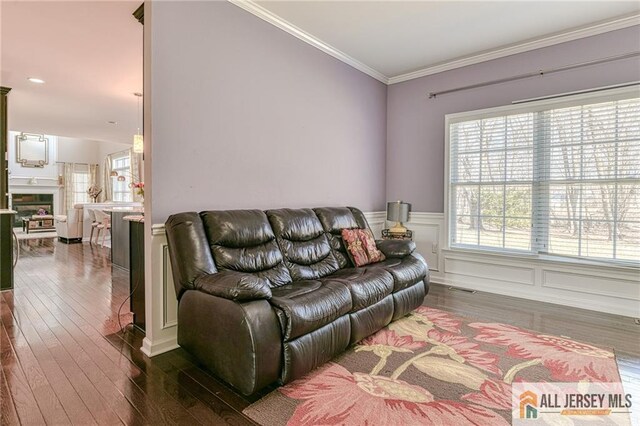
90	55
399	37
90	52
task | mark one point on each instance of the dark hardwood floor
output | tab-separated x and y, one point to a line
65	359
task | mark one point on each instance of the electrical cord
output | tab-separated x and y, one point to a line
16	249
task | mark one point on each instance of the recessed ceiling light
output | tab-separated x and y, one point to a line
112	122
35	80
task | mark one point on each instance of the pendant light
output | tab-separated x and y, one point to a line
138	140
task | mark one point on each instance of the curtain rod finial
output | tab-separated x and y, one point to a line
432	95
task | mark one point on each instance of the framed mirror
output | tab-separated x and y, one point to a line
32	150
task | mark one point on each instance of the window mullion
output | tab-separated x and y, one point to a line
581	192
504	189
615	186
479	206
540	189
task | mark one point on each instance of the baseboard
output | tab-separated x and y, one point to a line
156	348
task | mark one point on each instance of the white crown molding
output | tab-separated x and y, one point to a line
587	31
284	25
600	28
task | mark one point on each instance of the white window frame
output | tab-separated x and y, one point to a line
528	107
81	196
122	171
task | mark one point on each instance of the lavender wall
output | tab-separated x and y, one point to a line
247	116
415	124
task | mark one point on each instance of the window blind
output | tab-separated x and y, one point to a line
559	181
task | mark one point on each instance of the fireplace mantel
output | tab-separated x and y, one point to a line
38	189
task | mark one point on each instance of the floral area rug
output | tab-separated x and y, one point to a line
432	367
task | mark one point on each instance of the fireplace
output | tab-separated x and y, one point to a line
27	205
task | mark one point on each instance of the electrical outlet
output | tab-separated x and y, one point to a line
434	247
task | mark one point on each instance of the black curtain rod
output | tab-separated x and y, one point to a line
433	95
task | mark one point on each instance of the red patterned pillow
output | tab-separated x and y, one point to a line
369	243
355	249
361	246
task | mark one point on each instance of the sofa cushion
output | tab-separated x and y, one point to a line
367	286
234	285
304	245
396	248
334	220
361	246
405	272
306	306
243	241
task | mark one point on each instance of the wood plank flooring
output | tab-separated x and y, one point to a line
66	360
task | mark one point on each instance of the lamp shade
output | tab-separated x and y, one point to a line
398	211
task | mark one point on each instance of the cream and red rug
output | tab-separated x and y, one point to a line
432	367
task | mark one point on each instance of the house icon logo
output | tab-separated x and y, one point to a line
528	405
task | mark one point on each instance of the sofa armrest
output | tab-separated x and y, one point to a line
396	248
240	342
233	285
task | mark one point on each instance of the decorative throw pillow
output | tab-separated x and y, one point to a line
369	243
361	246
355	249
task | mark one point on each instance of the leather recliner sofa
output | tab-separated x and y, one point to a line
266	297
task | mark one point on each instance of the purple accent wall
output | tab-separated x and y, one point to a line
247	116
415	124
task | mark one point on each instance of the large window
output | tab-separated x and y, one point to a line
122	184
80	184
549	178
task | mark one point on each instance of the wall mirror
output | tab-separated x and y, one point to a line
32	150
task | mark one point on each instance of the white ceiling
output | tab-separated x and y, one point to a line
398	37
89	54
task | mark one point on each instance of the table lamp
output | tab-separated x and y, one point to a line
398	212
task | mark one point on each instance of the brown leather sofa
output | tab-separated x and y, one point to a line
267	297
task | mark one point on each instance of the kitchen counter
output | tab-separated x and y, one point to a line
129	208
134	218
120	246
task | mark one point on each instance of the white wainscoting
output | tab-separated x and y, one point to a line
161	306
614	290
589	286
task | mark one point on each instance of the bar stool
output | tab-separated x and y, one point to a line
94	224
104	224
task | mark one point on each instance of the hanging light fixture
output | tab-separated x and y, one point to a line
138	140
